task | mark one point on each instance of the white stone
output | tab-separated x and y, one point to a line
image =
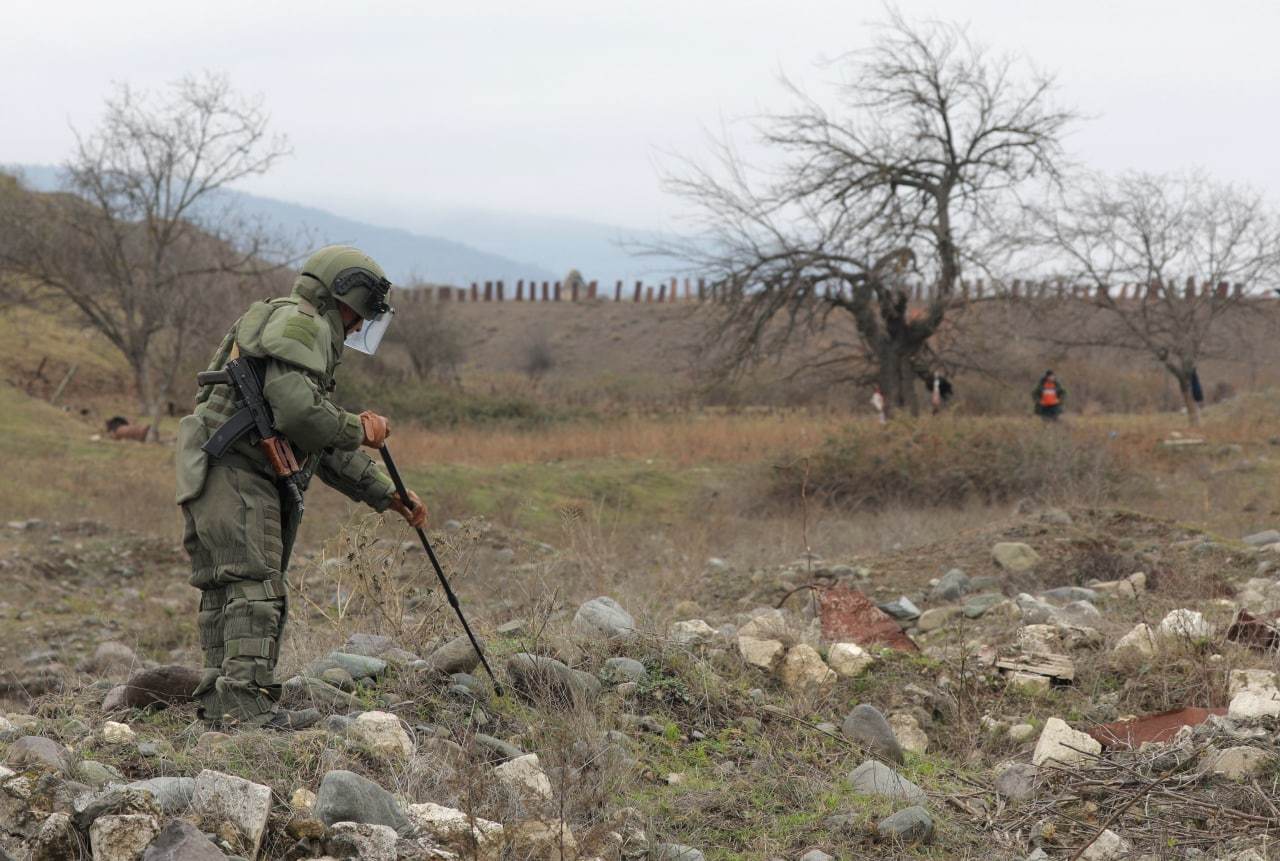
1061	744
1250	704
525	776
604	617
768	624
122	838
362	841
1237	763
1185	625
1021	732
1109	846
692	632
1138	580
220	798
543	841
908	732
1141	640
302	799
383	734
456	828
118	733
1039	639
804	670
1251	680
849	659
1116	588
760	653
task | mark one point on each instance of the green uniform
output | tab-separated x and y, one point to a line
238	532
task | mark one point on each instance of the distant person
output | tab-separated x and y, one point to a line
940	391
877	401
1049	395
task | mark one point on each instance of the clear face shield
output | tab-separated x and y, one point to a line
371	332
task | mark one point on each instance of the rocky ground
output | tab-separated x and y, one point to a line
971	698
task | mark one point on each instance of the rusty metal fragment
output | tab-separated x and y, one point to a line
850	616
1158	727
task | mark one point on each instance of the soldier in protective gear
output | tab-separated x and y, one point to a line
239	527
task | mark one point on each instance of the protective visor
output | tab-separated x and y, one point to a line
371	332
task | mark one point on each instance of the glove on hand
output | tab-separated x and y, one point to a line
416	516
376	429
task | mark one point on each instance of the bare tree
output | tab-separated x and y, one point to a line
910	179
139	240
1167	260
436	344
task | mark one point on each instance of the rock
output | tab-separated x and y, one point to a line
690	633
676	852
1185	625
179	840
361	841
624	670
382	733
766	623
524	776
369	645
455	656
1139	641
118	733
541	678
455	828
339	678
1237	763
114	700
1033	610
1080	614
817	855
55	841
764	654
512	628
911	825
1021	732
1061	744
302	799
849	660
499	749
223	798
112	801
159	686
347	797
316	693
94	773
1262	539
34	750
875	778
950	586
1116	589
604	617
1109	846
1253	704
1017	781
1055	517
935	617
111	658
172	794
978	605
866	726
359	666
1263	681
121	838
902	609
804	670
907	730
1014	557
1070	593
1029	683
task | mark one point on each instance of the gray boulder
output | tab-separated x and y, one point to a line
866	726
173	794
455	656
1017	782
604	617
912	825
950	586
182	841
225	799
369	645
347	797
902	609
544	679
34	750
1262	539
875	778
1070	593
361	841
359	666
316	693
496	749
623	670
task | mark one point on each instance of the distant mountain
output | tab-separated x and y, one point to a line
402	253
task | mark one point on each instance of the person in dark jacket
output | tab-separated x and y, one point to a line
1049	396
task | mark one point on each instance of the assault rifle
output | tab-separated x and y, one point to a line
253	416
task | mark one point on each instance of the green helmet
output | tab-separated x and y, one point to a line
356	281
352	277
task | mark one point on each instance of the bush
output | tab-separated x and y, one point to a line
950	462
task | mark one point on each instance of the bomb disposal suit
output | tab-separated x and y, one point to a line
239	525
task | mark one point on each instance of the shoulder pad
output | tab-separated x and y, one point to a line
282	330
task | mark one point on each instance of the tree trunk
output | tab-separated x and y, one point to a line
149	400
1193	408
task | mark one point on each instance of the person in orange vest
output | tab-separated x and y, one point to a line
1049	396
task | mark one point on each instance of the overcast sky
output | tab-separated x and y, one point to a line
565	108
